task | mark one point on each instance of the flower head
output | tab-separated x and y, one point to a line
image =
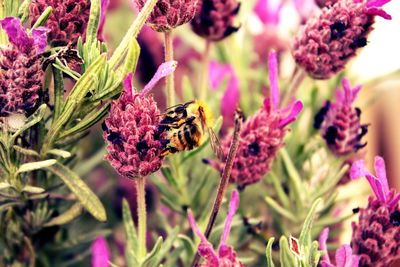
67	21
261	136
131	130
100	253
226	256
344	255
339	122
169	14
214	19
230	99
21	74
376	236
327	42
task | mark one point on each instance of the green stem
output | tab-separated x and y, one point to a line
141	209
204	71
169	55
224	182
133	31
295	83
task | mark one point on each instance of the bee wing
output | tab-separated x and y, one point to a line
215	144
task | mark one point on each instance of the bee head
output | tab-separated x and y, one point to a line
205	113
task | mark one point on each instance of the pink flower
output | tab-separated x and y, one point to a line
217	74
268	11
339	122
21	76
305	9
376	236
344	255
261	136
104	7
100	253
327	42
226	256
131	130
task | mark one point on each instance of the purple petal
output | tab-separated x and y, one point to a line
16	33
273	79
195	228
40	38
394	201
350	94
104	7
163	70
100	252
233	206
322	244
355	259
358	170
208	253
230	100
268	11
343	256
326	264
380	170
296	109
305	8
128	86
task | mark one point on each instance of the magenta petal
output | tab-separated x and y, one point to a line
40	38
296	109
358	170
195	228
394	201
378	12
16	33
233	206
100	252
217	73
326	264
343	256
163	70
208	253
267	12
380	170
377	3
273	79
104	7
322	244
229	101
128	85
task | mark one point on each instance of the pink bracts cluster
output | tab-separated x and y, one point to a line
339	122
131	130
261	136
21	74
328	41
226	256
376	236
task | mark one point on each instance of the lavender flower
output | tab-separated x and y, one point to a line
134	145
268	11
230	99
169	14
21	74
100	253
67	22
339	122
329	41
344	255
376	236
214	19
261	136
226	255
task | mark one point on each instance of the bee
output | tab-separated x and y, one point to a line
186	125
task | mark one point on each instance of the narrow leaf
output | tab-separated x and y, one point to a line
93	23
33	189
131	236
153	253
61	153
73	212
32	166
82	192
268	252
43	18
305	235
279	209
286	256
25	151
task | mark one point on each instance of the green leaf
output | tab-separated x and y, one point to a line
23	11
82	192
305	235
36	117
61	153
286	255
93	23
43	17
73	212
131	236
166	248
60	67
153	253
4	185
279	190
132	58
279	209
32	166
26	152
90	120
268	252
33	189
314	254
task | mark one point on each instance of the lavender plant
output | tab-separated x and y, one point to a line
119	154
